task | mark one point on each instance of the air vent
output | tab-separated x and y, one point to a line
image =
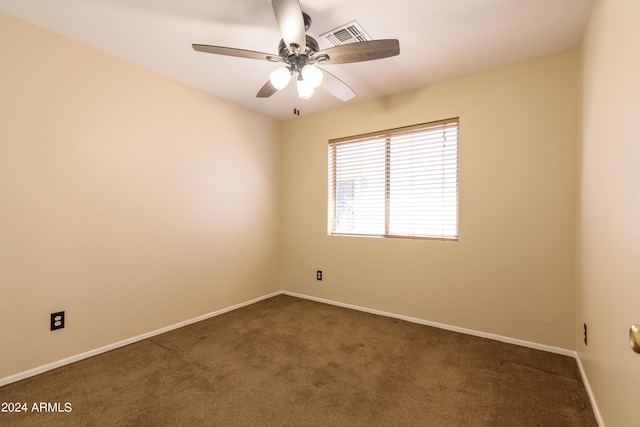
348	33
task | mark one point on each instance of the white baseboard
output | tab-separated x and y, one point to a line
59	363
508	340
587	386
501	338
69	360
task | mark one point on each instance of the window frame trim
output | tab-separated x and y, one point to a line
387	133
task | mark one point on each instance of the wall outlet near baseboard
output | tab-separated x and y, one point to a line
584	333
57	320
319	275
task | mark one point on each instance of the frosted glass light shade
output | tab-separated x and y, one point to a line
280	78
305	90
312	75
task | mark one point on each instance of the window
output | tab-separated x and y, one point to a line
396	183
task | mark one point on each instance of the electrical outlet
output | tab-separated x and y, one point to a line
57	320
584	333
319	275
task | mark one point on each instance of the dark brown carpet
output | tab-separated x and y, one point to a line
292	362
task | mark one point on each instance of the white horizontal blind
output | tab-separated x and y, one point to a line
397	183
358	171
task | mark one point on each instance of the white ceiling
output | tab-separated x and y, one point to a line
439	40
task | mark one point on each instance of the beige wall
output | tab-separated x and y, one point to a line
129	200
608	297
512	272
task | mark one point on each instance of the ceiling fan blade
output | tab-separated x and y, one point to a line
229	51
267	90
290	21
361	51
337	87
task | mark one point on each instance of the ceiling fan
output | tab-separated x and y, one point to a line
300	53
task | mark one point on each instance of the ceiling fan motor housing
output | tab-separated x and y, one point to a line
312	47
307	21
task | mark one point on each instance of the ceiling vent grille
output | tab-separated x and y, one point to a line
348	33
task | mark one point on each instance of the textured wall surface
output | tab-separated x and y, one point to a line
130	201
512	272
609	209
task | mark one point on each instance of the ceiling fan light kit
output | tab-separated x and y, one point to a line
300	53
308	79
312	74
305	90
280	77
